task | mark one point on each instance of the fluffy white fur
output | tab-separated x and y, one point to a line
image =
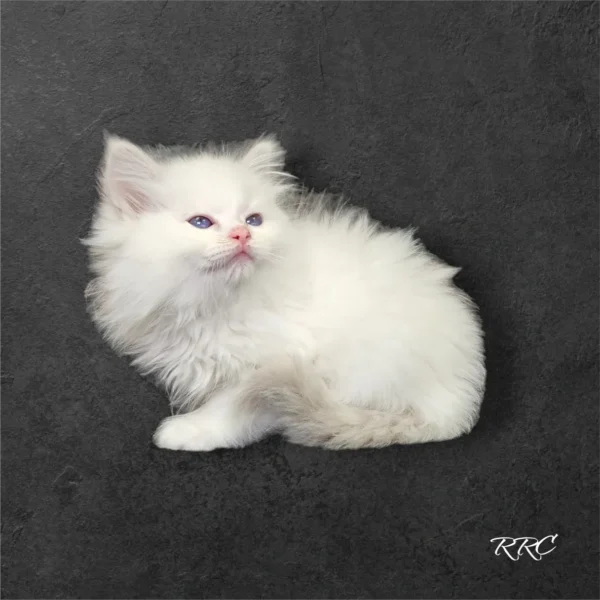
338	333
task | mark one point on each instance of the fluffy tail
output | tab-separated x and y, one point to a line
307	414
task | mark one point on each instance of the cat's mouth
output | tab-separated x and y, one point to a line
241	256
238	257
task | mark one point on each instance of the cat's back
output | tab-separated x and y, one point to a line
380	288
357	264
379	297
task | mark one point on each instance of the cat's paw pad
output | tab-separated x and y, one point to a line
177	433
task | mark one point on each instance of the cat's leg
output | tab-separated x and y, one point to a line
227	420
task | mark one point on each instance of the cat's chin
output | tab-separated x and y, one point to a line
241	260
237	268
240	271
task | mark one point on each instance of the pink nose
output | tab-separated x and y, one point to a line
241	234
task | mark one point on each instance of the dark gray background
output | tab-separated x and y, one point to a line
475	122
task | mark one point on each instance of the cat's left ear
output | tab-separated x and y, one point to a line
265	156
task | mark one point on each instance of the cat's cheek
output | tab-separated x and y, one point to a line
268	239
196	248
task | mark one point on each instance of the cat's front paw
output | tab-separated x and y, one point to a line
178	433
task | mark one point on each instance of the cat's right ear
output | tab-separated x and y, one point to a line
129	177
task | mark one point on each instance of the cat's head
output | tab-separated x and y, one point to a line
168	216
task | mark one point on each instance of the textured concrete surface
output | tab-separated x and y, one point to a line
475	122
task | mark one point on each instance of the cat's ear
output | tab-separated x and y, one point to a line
129	178
265	155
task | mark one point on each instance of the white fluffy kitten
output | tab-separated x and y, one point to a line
262	310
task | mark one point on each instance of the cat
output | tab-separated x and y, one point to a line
263	309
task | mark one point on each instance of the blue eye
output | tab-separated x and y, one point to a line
255	220
201	222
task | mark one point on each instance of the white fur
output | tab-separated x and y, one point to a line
339	333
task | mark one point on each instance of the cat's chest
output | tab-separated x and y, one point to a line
233	344
201	354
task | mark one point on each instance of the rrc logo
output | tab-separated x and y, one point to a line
514	548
